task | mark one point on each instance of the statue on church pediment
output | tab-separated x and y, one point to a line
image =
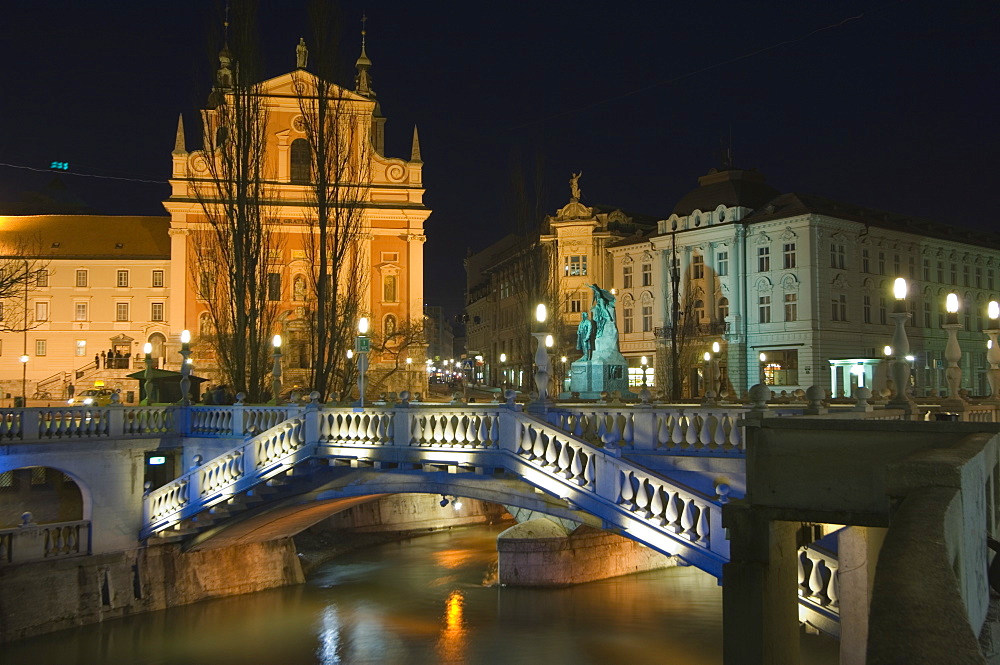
301	54
574	186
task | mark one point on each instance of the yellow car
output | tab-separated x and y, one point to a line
94	397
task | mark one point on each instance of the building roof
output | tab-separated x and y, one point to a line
795	204
730	187
86	236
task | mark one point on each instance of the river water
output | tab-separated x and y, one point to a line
415	602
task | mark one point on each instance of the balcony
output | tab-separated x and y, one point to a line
693	330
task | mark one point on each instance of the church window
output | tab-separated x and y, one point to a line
722	263
575	265
274	286
789	255
723	308
626	277
791	307
301	162
697	269
389	288
647	273
647	318
764	309
763	259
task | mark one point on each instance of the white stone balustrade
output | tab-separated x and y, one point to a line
34	542
694	431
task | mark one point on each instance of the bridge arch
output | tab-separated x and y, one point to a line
49	493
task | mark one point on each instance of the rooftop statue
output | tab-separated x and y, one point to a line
301	54
574	186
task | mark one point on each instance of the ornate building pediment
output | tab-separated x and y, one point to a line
574	210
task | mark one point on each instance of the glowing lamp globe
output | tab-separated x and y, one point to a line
993	309
899	288
951	303
541	313
185	336
147	348
276	342
363	325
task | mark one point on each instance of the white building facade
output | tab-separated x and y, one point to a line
805	281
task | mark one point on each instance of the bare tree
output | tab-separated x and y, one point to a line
393	346
232	250
338	182
22	270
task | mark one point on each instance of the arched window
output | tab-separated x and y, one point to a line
299	288
389	327
723	308
159	342
301	162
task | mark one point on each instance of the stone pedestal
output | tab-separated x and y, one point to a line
591	377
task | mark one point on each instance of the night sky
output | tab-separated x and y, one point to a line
892	105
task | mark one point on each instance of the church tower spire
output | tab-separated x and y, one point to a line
415	147
363	81
180	148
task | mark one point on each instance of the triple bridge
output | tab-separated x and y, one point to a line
657	475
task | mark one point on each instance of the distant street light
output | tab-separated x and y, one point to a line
901	348
952	353
276	370
362	345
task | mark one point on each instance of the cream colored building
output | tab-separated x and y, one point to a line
105	287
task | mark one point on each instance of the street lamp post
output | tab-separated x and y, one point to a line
185	368
24	379
643	363
147	349
763	367
993	351
716	370
953	354
543	340
276	370
709	398
901	348
503	370
362	345
409	375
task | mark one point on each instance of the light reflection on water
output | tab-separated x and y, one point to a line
421	601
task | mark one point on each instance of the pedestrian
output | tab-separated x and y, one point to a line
70	391
97	360
110	360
